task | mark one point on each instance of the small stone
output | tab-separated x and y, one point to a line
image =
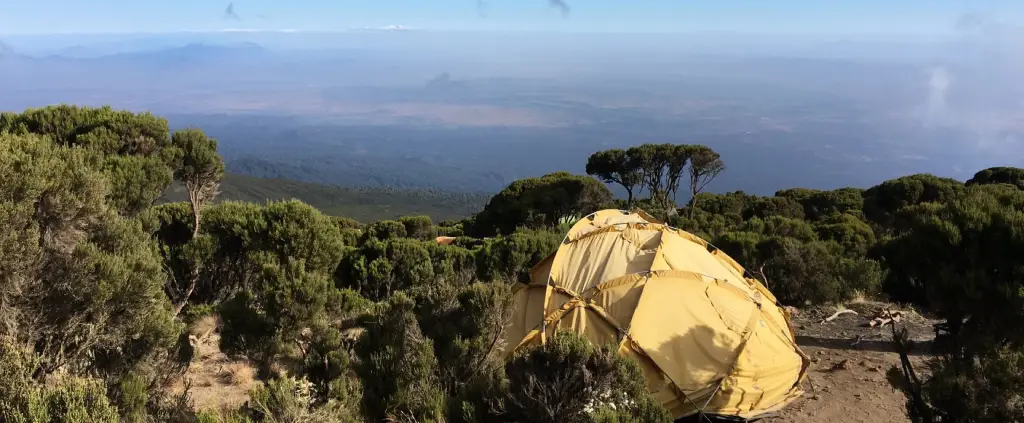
842	365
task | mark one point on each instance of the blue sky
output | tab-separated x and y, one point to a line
754	16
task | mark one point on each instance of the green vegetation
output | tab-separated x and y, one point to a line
374	321
362	204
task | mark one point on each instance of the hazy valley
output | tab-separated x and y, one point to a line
471	112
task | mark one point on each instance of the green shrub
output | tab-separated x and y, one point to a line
397	367
289	400
419	227
384	229
71	399
544	385
511	257
381	267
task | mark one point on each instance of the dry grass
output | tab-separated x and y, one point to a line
203	327
236	374
217	381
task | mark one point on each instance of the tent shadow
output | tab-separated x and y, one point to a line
919	347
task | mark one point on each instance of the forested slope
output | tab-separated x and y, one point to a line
363	204
102	288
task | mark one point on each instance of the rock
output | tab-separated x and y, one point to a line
842	365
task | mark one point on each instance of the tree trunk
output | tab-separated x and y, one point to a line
193	197
188	293
692	204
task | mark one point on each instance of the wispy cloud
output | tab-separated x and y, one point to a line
255	30
230	14
481	8
977	86
387	28
562	6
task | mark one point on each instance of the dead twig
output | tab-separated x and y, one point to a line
837	314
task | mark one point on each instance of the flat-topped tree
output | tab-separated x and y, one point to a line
705	166
652	160
615	166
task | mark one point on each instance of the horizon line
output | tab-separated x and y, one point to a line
403	28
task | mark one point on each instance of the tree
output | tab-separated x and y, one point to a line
960	258
79	283
855	236
260	323
133	149
378	269
780	226
615	166
742	247
799	272
385	229
452	263
733	203
397	366
541	202
652	161
679	157
509	258
201	170
999	175
822	204
705	166
883	201
419	227
774	206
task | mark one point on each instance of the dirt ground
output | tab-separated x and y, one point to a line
217	382
847	382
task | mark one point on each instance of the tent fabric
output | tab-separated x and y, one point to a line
709	339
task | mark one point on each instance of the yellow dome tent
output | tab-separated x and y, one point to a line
711	341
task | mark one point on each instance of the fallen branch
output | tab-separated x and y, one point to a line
837	314
886	317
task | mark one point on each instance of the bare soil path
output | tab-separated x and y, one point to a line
847	378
